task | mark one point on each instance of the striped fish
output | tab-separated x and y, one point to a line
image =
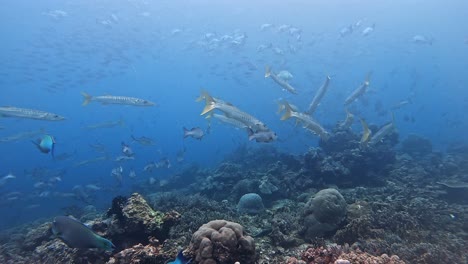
112	99
11	111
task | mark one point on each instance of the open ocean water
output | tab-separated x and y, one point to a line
331	131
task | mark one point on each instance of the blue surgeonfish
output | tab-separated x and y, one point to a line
45	144
76	235
181	259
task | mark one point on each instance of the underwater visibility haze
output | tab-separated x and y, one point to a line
137	131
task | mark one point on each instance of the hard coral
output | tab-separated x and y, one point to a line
221	241
137	254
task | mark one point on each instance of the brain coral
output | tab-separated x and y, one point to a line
221	241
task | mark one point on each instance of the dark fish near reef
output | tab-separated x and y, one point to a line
196	133
45	144
77	235
181	259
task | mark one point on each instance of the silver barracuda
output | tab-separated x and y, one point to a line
11	111
278	80
318	96
112	99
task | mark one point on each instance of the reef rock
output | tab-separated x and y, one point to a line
222	242
250	203
323	213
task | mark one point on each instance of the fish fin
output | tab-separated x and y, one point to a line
86	98
288	112
210	104
250	133
267	71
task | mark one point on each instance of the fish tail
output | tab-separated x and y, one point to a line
267	71
288	113
368	76
210	104
86	98
186	132
202	96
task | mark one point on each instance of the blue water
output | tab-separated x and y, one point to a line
128	48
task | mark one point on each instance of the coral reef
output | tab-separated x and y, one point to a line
250	203
323	213
221	241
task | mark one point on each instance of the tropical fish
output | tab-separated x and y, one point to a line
11	111
76	235
108	124
196	133
45	144
262	136
308	122
278	80
318	96
359	91
181	259
112	99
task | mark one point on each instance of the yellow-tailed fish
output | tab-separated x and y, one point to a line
359	91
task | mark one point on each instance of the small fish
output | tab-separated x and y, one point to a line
45	144
117	173
149	167
420	39
124	158
368	30
132	174
93	187
163	163
126	150
262	136
346	31
196	133
401	104
7	178
181	259
112	99
109	124
11	111
281	82
89	161
144	141
77	235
